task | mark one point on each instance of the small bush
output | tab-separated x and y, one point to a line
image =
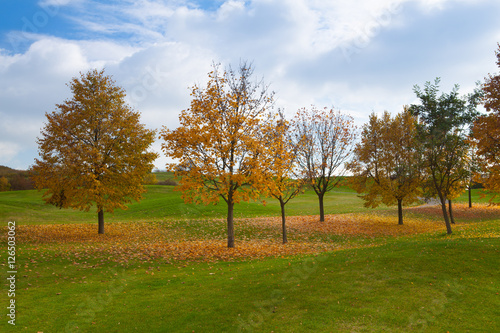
167	182
150	179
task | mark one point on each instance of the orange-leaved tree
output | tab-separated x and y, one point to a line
284	184
387	166
93	149
220	143
486	134
327	142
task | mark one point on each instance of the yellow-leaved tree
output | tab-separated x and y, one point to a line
387	166
93	149
283	180
219	146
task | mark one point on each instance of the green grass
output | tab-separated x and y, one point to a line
164	175
478	196
422	283
162	202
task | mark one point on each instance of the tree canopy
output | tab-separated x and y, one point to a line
387	162
93	149
221	141
486	134
327	142
443	125
283	181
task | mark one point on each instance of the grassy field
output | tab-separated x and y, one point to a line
165	268
162	202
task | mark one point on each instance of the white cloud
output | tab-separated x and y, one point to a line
8	150
358	56
231	8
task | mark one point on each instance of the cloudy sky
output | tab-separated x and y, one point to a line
358	56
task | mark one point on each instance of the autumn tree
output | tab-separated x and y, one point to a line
93	149
328	140
486	134
284	185
220	141
443	125
386	166
4	184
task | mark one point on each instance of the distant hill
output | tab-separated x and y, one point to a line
4	171
18	179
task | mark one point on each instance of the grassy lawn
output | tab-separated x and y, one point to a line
165	268
162	202
478	196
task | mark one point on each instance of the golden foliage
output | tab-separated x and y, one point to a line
4	184
281	161
124	242
220	143
220	139
386	164
93	150
150	179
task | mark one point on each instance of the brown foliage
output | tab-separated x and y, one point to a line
16	179
21	181
387	161
486	133
167	241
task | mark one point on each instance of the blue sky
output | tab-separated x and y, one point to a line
356	56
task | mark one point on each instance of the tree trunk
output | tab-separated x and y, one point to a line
100	218
321	207
230	224
445	215
400	211
451	212
470	196
283	220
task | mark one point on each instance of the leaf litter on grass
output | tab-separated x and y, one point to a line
189	240
461	211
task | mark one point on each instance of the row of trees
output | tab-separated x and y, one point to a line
425	151
437	148
232	144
